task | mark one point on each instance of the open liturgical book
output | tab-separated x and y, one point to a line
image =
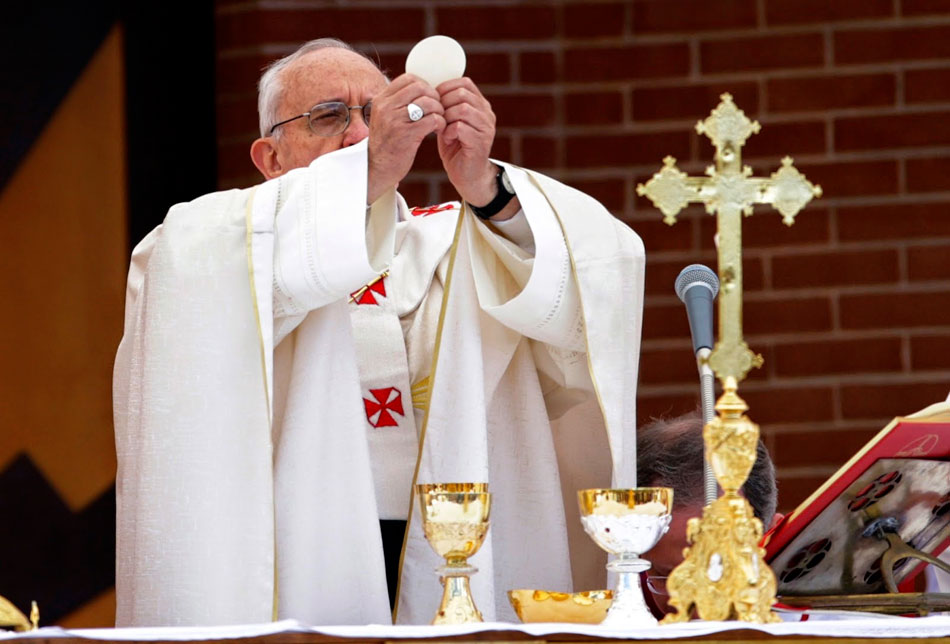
901	478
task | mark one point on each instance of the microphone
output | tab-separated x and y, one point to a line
697	287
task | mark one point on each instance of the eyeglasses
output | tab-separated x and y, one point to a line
329	119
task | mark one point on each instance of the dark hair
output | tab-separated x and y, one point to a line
670	454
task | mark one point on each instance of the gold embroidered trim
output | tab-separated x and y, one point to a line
355	295
249	226
429	380
420	394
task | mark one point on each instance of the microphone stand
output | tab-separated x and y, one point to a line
707	396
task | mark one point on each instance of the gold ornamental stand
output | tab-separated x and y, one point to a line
724	574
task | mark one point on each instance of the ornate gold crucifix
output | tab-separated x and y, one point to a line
724	574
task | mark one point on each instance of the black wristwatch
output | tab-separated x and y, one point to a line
496	205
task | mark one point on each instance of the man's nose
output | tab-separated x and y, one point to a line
357	130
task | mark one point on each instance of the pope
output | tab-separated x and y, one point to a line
297	355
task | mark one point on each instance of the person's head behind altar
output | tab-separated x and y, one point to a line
670	454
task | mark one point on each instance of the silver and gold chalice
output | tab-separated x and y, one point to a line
455	522
627	523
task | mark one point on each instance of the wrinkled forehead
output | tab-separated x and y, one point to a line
330	74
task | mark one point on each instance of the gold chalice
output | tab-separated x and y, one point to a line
627	523
455	521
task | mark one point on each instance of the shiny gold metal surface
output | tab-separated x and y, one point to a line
455	521
724	575
640	500
587	607
11	617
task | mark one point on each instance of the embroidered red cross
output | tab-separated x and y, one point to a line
365	295
431	210
387	399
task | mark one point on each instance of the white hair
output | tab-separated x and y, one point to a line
270	89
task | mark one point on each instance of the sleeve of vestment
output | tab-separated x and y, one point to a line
328	243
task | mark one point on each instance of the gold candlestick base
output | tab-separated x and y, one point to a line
724	574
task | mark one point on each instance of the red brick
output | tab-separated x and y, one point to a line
234	160
777	406
501	148
787	315
625	149
781	139
827	357
765	229
653	16
884	402
488	68
609	192
446	192
930	352
892	131
237	117
927	85
538	67
841	268
775	51
836	446
784	12
661	274
589	64
893	310
651	406
416	193
300	25
539	152
928	262
661	366
427	156
657	236
796	489
666	321
594	108
830	92
853	178
512	110
928	175
494	23
894	221
691	101
891	45
924	7
592	19
239	75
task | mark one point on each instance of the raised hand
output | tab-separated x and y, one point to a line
393	137
466	140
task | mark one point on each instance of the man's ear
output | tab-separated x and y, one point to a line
264	156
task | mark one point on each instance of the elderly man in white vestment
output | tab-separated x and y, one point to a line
297	355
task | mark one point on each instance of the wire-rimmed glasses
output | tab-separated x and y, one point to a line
329	119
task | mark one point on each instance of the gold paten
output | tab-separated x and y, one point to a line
455	522
11	617
587	607
724	574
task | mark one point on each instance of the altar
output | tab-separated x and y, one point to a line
820	627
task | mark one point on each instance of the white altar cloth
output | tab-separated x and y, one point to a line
859	626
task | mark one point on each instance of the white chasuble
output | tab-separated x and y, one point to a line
253	463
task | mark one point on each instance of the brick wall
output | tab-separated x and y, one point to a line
850	306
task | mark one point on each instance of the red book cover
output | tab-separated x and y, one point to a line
903	473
